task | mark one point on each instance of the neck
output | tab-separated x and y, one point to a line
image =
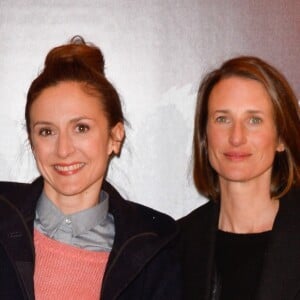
70	204
246	209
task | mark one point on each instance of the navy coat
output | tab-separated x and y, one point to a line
141	265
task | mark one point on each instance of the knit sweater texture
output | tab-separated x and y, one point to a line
66	272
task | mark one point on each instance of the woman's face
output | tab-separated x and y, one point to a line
241	133
71	140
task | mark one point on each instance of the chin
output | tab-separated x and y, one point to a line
69	193
236	177
71	190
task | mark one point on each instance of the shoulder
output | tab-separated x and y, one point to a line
10	186
290	204
291	201
21	195
137	216
13	191
293	194
199	217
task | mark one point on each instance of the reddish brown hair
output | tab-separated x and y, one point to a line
83	63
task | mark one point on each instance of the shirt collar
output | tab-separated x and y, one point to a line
51	217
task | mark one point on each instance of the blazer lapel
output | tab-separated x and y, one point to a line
207	256
141	242
198	242
17	242
281	271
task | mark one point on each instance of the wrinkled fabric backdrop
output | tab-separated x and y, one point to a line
156	53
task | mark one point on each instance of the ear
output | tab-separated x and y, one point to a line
117	136
280	146
32	148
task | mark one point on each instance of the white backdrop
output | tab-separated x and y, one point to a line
156	53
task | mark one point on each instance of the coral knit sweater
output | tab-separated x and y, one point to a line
66	272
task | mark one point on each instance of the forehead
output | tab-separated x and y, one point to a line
65	102
239	93
66	97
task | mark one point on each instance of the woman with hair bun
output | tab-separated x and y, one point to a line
70	234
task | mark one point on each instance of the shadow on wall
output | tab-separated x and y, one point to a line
163	153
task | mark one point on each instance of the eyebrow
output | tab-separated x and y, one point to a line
249	111
75	120
41	123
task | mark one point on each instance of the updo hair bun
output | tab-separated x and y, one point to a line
77	51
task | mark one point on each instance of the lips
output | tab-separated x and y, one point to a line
68	169
237	156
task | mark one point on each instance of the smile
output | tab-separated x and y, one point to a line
68	169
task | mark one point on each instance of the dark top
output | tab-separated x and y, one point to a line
239	259
280	275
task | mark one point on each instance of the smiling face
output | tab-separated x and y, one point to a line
241	133
72	141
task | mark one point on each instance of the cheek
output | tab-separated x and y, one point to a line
41	153
265	142
41	150
213	146
95	147
215	139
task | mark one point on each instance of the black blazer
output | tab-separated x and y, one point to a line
281	270
142	264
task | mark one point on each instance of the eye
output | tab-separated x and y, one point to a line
45	132
81	128
255	120
222	119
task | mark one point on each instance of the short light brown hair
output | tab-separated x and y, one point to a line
286	165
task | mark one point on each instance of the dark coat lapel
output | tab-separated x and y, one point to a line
16	240
198	235
281	271
136	242
16	235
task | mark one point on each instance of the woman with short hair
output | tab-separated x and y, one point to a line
244	243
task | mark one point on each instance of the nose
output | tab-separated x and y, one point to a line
65	145
238	135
